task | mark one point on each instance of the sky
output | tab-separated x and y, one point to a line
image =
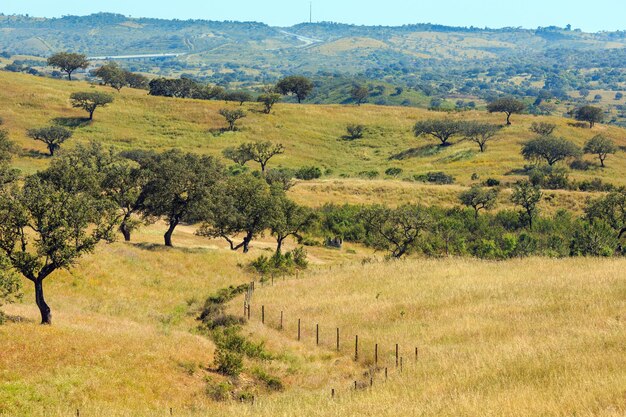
589	16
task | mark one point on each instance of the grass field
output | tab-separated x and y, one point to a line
526	337
523	337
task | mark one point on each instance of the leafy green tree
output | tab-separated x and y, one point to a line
45	227
479	198
268	100
178	187
52	136
281	177
297	85
542	128
593	239
442	129
480	133
601	146
359	94
396	230
231	117
260	152
240	205
112	75
508	106
289	218
134	80
551	149
68	62
90	101
610	209
527	196
589	114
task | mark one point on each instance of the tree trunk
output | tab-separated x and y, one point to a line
125	231
170	231
44	309
51	150
279	245
69	75
508	119
91	115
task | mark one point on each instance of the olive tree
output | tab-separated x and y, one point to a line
506	105
480	133
542	128
46	226
289	218
601	146
442	129
178	187
610	209
231	117
7	149
260	152
395	230
589	114
90	101
52	136
551	149
479	198
359	94
527	196
112	75
268	100
68	62
297	85
240	205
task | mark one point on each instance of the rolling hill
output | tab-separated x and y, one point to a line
529	337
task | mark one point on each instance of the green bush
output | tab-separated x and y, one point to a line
435	178
228	362
219	392
369	174
393	172
272	382
280	263
308	173
492	182
355	131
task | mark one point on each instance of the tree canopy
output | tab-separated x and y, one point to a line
442	129
551	149
507	105
90	101
589	114
260	152
52	136
297	85
68	62
601	146
480	133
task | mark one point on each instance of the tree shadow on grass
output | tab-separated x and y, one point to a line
71	122
157	247
420	152
34	153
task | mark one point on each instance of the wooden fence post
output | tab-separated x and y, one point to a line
317	334
298	329
337	339
281	320
249	311
416	354
356	348
385	373
332	393
400	365
376	355
396	355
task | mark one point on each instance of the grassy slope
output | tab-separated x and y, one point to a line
122	343
312	134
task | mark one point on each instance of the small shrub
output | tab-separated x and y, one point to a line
219	392
228	362
435	178
393	172
580	165
492	182
308	173
272	382
475	177
355	131
369	174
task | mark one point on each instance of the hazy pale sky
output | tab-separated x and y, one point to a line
589	16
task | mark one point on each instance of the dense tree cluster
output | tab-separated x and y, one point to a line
112	75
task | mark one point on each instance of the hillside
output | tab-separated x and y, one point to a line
312	135
527	336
